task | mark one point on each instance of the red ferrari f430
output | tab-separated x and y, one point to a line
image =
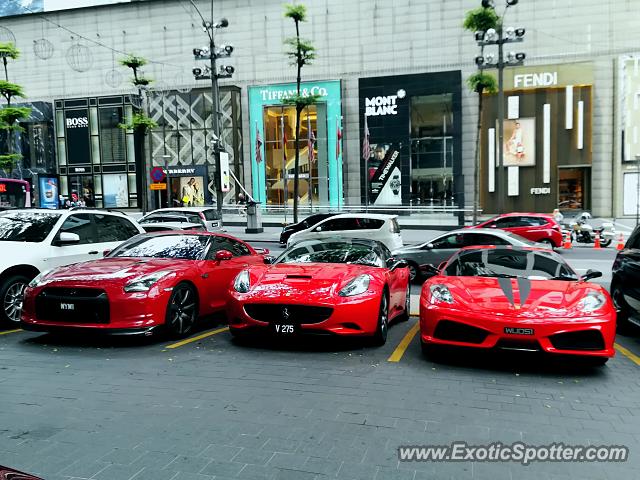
346	287
153	281
518	298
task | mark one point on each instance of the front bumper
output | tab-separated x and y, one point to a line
356	316
587	336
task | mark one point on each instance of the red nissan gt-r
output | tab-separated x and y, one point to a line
521	298
164	280
348	287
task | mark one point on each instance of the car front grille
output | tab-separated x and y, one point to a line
581	340
459	332
73	305
296	314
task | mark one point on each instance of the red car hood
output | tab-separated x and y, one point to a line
518	297
303	281
119	269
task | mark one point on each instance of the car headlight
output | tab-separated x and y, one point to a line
144	283
36	281
440	294
357	286
592	302
242	283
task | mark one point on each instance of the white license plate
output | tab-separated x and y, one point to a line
284	329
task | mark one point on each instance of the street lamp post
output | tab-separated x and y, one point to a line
500	36
212	53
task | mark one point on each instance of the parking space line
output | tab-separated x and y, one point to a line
398	353
7	332
197	337
628	353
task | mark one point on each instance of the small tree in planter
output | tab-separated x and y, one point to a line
9	115
301	53
140	123
480	19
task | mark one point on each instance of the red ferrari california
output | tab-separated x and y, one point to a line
517	298
348	287
163	280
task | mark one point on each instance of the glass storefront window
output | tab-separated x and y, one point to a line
432	149
279	123
572	188
114	190
81	188
112	137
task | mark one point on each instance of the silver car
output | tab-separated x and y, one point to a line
206	216
440	248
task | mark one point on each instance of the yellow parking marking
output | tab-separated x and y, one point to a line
628	353
197	337
398	353
7	332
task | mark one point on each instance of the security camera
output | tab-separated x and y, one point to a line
228	49
521	56
490	34
510	32
479	36
197	71
511	57
520	32
489	58
479	61
227	69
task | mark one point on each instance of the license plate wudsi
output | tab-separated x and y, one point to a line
518	331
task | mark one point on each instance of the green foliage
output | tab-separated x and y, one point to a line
307	51
9	50
139	122
480	19
482	82
141	81
301	101
296	11
7	162
10	90
133	62
9	115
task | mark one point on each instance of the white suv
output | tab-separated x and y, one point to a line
35	240
383	228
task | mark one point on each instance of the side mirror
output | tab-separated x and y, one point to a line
224	255
68	238
429	270
106	252
441	266
269	260
262	251
429	246
591	274
401	263
317	229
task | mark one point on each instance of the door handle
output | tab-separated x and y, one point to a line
93	252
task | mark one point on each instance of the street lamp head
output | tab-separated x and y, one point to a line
511	3
489	58
479	61
222	23
228	69
488	4
228	49
510	33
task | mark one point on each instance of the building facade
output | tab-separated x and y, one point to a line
369	50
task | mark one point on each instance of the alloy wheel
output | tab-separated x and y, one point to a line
182	310
13	301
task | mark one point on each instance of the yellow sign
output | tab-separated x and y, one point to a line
158	186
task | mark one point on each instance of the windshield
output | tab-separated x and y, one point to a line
186	247
535	265
332	252
26	226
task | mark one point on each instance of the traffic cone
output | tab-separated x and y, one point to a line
596	244
567	241
620	245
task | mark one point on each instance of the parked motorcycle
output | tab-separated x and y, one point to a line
582	230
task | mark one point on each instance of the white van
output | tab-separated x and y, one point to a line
383	228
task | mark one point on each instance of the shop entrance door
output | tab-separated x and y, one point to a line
81	188
279	128
573	188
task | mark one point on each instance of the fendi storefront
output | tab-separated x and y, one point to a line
547	140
